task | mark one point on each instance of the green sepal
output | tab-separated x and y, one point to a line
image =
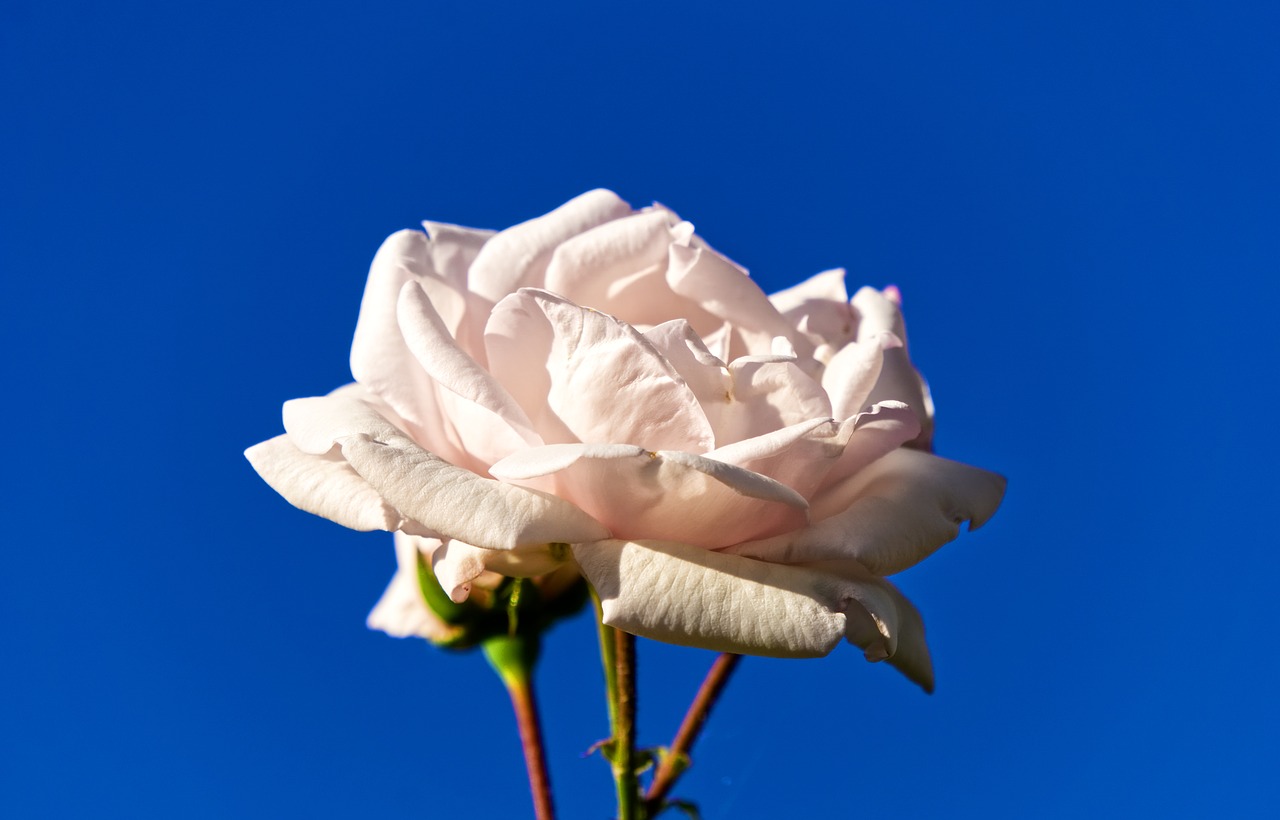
515	609
512	656
447	609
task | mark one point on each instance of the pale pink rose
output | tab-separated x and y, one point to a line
729	470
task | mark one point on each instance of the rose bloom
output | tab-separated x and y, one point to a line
598	391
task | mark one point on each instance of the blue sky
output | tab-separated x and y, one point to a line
1079	202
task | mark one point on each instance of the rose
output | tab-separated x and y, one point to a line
599	388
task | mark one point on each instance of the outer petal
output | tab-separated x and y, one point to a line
380	359
401	612
664	494
324	485
689	596
448	500
906	505
584	376
887	626
518	256
898	379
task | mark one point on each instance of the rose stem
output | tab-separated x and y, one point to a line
617	654
521	689
624	736
676	760
607	659
513	657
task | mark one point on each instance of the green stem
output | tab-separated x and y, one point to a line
512	657
676	760
607	659
617	655
624	735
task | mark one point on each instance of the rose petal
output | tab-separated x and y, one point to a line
906	505
518	256
401	612
663	494
690	596
899	380
452	250
705	374
767	393
583	268
456	564
581	375
853	371
488	420
324	485
681	594
446	499
725	290
380	359
798	456
819	307
881	429
887	626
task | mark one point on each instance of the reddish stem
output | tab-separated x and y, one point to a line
521	690
674	764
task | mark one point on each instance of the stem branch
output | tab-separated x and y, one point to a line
677	757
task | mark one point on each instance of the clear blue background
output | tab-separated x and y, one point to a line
1080	202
